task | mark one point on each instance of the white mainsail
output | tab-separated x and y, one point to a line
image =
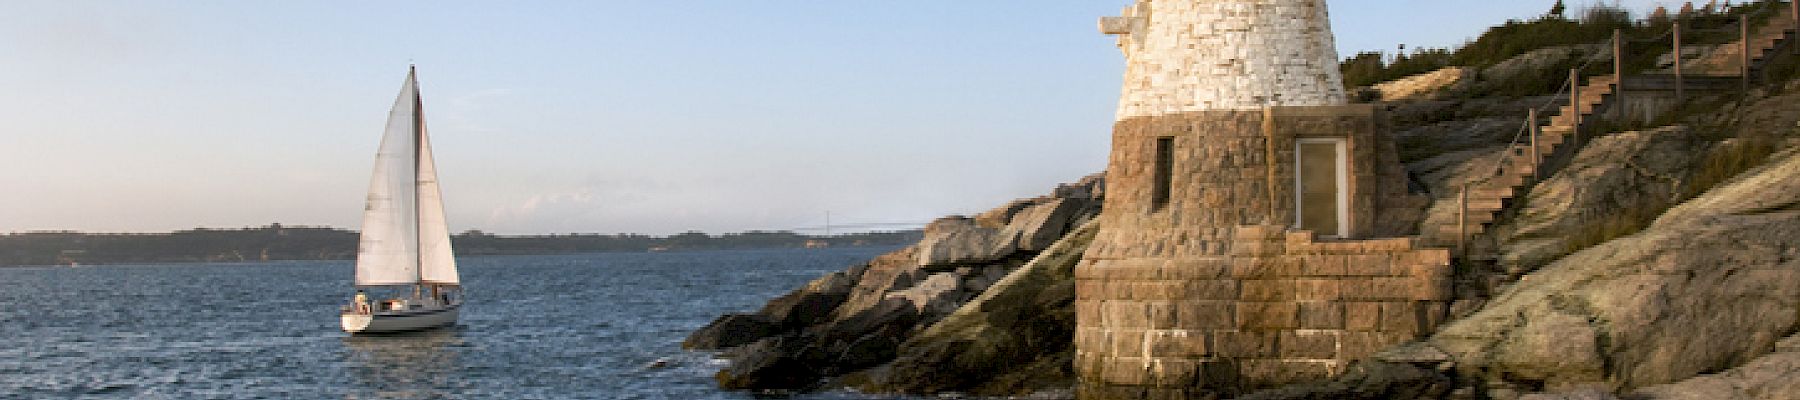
436	262
404	238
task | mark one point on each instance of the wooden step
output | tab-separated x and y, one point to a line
1488	205
1448	233
1522	167
1494	192
1506	180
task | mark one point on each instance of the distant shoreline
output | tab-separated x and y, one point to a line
286	243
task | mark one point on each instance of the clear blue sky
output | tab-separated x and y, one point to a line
603	116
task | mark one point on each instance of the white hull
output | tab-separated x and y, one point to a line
401	321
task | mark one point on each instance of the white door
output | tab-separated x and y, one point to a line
1322	184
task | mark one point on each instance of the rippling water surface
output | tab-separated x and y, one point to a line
569	326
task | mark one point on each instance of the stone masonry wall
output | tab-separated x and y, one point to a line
1225	55
1214	292
1279	308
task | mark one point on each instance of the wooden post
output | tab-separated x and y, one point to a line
1618	63
1679	96
1536	157
1575	107
1744	59
1462	221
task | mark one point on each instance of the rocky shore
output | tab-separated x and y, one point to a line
981	305
1659	260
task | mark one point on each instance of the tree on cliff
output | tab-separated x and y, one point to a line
1556	11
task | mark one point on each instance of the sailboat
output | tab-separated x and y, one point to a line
405	246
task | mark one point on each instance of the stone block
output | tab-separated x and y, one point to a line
1369	265
1088	363
1245	344
1394	288
1092	338
1177	343
1269	290
1362	316
1165	372
1121	314
1161	315
1433	288
1317	289
1321	315
1198	268
1258	232
1299	237
1268	315
1210	289
1087	313
1308	345
1269	373
1126	371
1323	265
1429	257
1205	315
1126	341
1086	269
1256	248
1401	317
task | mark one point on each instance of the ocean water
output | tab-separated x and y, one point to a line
585	326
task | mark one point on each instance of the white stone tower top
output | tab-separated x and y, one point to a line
1207	55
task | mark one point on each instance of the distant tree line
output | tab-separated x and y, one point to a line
1592	25
278	242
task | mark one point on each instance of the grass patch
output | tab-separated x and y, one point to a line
1729	159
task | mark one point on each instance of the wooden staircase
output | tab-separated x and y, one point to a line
1518	167
1728	59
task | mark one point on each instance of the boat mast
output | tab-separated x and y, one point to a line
418	145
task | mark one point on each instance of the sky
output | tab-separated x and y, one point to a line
653	117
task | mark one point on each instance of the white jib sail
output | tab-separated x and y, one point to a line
436	262
388	252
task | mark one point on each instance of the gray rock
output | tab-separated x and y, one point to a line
1038	226
1617	182
731	330
1015	337
857	319
1413	353
1367	380
960	240
1771	377
1583	393
1712	283
938	294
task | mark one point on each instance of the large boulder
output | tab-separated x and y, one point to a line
811	304
799	360
1616	184
1368	380
1771	377
1022	227
1013	339
1711	284
857	319
961	240
731	330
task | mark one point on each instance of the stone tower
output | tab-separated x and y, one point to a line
1184	56
1253	232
